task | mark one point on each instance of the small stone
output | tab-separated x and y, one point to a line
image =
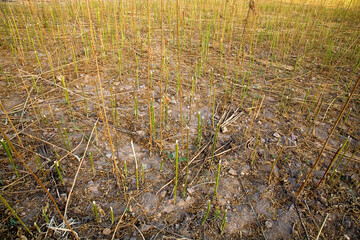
277	135
163	194
346	237
106	231
141	133
232	172
224	130
323	200
146	228
268	224
190	190
94	189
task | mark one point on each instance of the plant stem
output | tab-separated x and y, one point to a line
176	169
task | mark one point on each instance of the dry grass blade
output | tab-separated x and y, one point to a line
78	170
322	226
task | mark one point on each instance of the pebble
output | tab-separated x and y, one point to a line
163	194
232	172
106	231
277	135
323	200
146	228
190	190
141	133
268	224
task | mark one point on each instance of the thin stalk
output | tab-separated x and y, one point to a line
102	98
45	215
187	159
334	159
289	134
148	73
92	163
112	215
178	68
14	213
346	164
57	167
67	140
207	212
256	144
217	178
7	151
38	160
223	222
136	166
96	212
340	161
327	140
176	169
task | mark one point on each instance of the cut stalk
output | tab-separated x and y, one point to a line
96	212
187	159
207	212
176	169
223	222
136	166
8	153
217	178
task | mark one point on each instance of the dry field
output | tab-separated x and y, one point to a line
181	119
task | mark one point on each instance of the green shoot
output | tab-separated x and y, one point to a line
40	165
92	163
112	215
56	163
7	151
176	169
207	212
217	178
187	159
136	166
223	222
95	212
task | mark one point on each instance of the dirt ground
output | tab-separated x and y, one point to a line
247	204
